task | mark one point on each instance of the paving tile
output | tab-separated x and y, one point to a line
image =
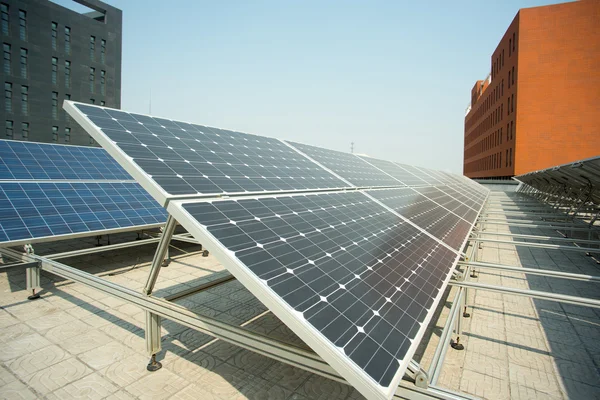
120	395
225	380
105	355
91	387
85	342
6	376
46	322
37	360
161	384
191	366
251	362
126	371
16	390
286	376
318	388
535	379
23	345
14	332
195	392
57	376
61	333
7	320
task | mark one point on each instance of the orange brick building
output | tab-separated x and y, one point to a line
540	105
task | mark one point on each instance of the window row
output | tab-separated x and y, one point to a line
491	162
10	132
4	10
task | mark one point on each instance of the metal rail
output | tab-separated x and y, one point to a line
537	237
561	298
543	245
532	271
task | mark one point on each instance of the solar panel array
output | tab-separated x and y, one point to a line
51	192
352	253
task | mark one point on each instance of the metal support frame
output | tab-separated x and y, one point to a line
548	246
532	271
157	308
160	254
538	237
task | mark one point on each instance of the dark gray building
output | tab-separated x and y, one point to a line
52	53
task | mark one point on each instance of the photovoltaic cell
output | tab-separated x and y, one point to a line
39	161
188	159
358	274
350	167
38	210
420	174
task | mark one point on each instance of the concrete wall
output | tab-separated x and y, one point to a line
40	14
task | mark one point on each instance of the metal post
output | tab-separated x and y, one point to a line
159	256
33	280
153	335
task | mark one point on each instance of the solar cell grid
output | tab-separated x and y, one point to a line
422	211
350	167
189	159
395	171
39	161
360	275
31	210
420	174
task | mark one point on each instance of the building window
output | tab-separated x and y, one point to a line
67	40
508	107
511	129
24	100
22	25
502	88
67	117
92	79
6	48
513	44
9	129
54	69
25	130
8	97
502	58
501	111
506	165
509	79
54	35
24	63
103	51
92	47
67	74
512	102
513	75
55	133
55	105
510	157
67	135
4	8
509	52
103	82
102	103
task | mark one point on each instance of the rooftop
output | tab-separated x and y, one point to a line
76	340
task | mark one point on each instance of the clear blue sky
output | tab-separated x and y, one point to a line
393	77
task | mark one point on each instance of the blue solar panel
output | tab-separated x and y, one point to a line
37	210
37	161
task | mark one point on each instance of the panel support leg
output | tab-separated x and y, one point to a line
33	280
33	276
153	336
457	345
159	256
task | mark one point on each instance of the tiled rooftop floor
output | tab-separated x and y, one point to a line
77	342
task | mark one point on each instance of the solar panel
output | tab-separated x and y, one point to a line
395	171
37	211
352	279
188	159
351	275
350	167
36	161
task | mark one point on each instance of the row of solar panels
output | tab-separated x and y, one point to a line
49	192
573	178
352	253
